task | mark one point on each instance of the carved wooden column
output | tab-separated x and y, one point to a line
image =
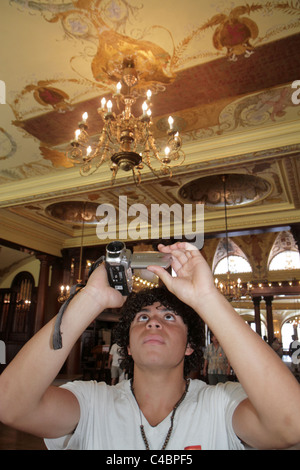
270	327
256	303
45	261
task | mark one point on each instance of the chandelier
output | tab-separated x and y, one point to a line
126	142
230	288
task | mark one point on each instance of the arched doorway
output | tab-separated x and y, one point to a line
17	313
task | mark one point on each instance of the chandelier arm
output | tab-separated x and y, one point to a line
104	137
166	170
180	154
75	155
86	169
118	130
137	179
102	160
103	147
109	132
114	174
117	98
143	128
152	169
153	147
136	136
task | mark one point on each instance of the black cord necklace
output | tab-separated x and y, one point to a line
187	382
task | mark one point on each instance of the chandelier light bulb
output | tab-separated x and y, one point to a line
167	151
77	133
149	94
88	150
144	107
103	103
170	121
119	86
84	116
109	106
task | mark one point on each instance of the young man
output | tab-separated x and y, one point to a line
159	409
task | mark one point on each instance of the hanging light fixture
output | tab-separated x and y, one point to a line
126	142
230	288
140	283
64	294
65	290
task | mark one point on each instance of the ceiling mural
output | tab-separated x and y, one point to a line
224	71
240	189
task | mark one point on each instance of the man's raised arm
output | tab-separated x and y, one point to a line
28	402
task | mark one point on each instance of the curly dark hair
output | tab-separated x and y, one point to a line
136	301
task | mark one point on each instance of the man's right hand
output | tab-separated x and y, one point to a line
99	288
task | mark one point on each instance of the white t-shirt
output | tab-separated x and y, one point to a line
110	419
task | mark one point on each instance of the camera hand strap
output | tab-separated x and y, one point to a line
57	338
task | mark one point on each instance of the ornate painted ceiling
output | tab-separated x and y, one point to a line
223	69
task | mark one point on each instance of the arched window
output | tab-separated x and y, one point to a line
285	260
284	253
237	259
237	264
22	287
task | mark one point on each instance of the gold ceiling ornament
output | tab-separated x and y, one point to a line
126	142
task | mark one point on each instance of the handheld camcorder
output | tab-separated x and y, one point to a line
120	261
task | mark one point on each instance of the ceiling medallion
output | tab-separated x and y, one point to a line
240	189
126	142
73	211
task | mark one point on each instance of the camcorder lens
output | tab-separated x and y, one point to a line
114	248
